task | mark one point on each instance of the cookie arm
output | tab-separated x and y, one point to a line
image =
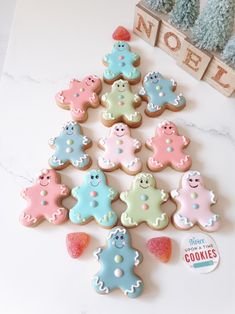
175	194
138	257
75	191
124	196
94	100
134	56
112	194
97	253
106	58
185	140
64	190
164	196
212	197
149	142
52	141
136	143
102	142
86	141
142	91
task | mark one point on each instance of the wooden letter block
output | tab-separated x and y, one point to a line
146	24
193	60
170	39
221	77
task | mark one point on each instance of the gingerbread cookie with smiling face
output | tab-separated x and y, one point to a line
120	105
80	96
167	146
194	202
121	63
69	148
44	200
144	203
160	95
94	201
119	151
118	261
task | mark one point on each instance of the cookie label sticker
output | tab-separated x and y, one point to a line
200	253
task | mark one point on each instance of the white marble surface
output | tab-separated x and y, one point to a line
51	42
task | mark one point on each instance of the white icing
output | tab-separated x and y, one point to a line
137	255
211	221
96	253
157	221
175	193
101	285
118	229
130	221
164	196
55	214
183	161
184	220
131	290
80	160
213	199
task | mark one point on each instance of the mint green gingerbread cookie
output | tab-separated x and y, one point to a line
120	105
144	203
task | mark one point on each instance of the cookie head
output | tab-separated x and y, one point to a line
143	181
167	128
95	179
120	86
121	46
192	180
71	128
46	177
118	238
120	130
152	78
91	81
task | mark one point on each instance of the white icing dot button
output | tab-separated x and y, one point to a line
69	142
118	272
158	87
43	193
194	195
118	259
81	89
119	142
170	149
69	150
161	94
168	140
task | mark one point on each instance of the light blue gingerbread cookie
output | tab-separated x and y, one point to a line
117	261
160	95
121	63
69	148
94	201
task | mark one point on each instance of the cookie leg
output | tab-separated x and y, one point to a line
108	116
110	74
81	162
107	220
128	220
155	164
133	117
209	222
56	162
178	101
28	218
100	284
160	222
131	73
133	286
57	216
181	221
78	215
132	166
183	163
106	164
78	114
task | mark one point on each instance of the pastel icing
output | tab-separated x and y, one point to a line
118	261
143	202
69	147
160	94
44	200
120	103
94	201
119	150
121	63
167	146
193	204
80	95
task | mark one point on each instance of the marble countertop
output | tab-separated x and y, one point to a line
50	43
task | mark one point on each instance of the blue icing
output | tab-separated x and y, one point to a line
94	200
121	275
160	92
120	62
69	147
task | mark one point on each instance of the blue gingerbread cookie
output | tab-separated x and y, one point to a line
117	261
69	148
94	201
159	94
121	63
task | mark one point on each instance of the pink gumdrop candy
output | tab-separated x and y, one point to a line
76	243
161	248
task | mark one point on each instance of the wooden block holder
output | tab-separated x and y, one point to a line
154	29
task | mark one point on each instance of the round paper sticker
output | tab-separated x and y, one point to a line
200	253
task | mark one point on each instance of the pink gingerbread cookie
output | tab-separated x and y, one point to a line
120	150
167	146
194	202
44	200
80	96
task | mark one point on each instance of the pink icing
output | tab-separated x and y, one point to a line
44	200
80	95
167	148
120	150
195	202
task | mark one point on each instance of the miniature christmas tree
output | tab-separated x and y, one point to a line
214	25
163	6
185	13
229	52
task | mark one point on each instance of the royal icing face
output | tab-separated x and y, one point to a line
120	130
46	177
192	180
70	129
120	86
121	46
167	128
144	181
118	260
92	82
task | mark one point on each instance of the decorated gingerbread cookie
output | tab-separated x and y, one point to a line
121	63
120	105
160	94
80	96
194	202
119	151
69	148
118	261
44	200
94	201
167	146
144	203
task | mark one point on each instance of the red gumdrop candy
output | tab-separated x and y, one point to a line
76	243
160	247
121	33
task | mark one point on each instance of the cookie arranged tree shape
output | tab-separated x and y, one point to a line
45	200
94	201
229	52
143	202
194	202
214	25
118	261
185	13
69	148
120	105
80	95
163	6
119	151
121	63
167	146
159	93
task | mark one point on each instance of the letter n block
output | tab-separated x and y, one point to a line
193	60
221	77
146	24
